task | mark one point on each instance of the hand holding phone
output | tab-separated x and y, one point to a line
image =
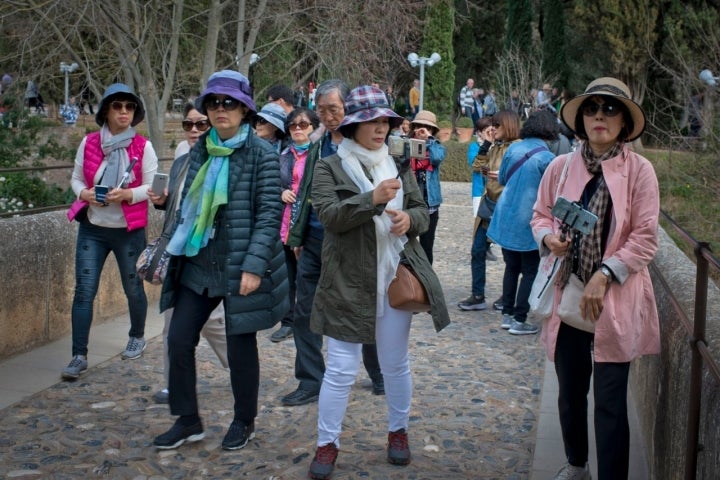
159	184
101	192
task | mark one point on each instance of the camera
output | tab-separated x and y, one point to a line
574	216
406	147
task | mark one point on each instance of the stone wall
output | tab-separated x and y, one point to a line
661	384
37	261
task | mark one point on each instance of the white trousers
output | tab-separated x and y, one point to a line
213	331
392	332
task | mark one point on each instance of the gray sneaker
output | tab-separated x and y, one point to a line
570	472
507	321
77	366
473	303
134	349
522	328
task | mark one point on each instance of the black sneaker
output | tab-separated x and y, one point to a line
238	435
179	434
473	303
299	397
378	387
497	305
323	463
282	333
398	449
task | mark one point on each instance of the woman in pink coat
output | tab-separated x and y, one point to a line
620	187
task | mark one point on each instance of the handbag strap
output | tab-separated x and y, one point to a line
520	163
171	210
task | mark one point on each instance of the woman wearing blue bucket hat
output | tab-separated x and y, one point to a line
113	171
225	248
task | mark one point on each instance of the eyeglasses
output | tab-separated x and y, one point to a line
118	106
609	108
228	104
299	125
201	125
332	110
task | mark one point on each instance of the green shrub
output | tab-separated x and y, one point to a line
455	166
465	122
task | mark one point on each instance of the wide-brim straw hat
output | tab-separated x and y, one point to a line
609	87
426	118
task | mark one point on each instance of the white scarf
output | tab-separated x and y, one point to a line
380	166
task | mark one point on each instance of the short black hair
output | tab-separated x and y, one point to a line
188	107
627	118
280	92
298	111
541	124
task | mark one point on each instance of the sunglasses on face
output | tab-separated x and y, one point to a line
228	104
301	125
609	109
201	125
260	121
118	106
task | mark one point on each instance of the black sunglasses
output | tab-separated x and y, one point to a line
228	104
118	106
301	125
609	108
201	125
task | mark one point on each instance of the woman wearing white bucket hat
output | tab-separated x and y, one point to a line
620	187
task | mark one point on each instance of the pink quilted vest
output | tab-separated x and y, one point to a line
136	214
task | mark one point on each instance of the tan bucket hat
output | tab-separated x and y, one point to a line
609	87
427	118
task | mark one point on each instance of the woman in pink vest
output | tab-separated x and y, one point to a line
113	170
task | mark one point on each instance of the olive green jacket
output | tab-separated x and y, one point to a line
345	300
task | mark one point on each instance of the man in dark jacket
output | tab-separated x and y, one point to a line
306	235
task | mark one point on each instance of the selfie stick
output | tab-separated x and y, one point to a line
126	175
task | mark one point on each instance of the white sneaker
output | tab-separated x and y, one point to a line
134	349
571	472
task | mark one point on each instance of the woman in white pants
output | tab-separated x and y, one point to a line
372	212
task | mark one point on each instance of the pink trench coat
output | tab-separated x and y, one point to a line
628	326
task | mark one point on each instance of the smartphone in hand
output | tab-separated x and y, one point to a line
159	183
101	192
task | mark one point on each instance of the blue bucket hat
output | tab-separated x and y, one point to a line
227	82
368	103
275	114
113	92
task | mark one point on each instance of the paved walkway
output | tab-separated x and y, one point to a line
484	404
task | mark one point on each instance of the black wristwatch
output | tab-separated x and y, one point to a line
607	272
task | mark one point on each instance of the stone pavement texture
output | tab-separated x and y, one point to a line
475	413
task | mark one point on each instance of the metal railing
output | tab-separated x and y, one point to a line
49	208
701	355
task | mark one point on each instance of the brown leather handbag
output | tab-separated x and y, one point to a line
406	292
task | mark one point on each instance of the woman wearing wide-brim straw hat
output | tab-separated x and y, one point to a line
621	188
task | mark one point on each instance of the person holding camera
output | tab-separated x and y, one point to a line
372	213
611	263
124	163
427	172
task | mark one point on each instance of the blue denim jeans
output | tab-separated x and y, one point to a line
477	261
94	244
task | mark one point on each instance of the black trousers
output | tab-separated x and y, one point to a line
427	239
190	314
574	367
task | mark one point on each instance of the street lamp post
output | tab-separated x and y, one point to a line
67	70
416	60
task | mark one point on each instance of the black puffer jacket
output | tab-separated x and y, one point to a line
252	219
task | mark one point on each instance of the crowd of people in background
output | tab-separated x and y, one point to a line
296	214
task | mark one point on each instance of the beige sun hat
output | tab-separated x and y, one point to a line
610	87
427	118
